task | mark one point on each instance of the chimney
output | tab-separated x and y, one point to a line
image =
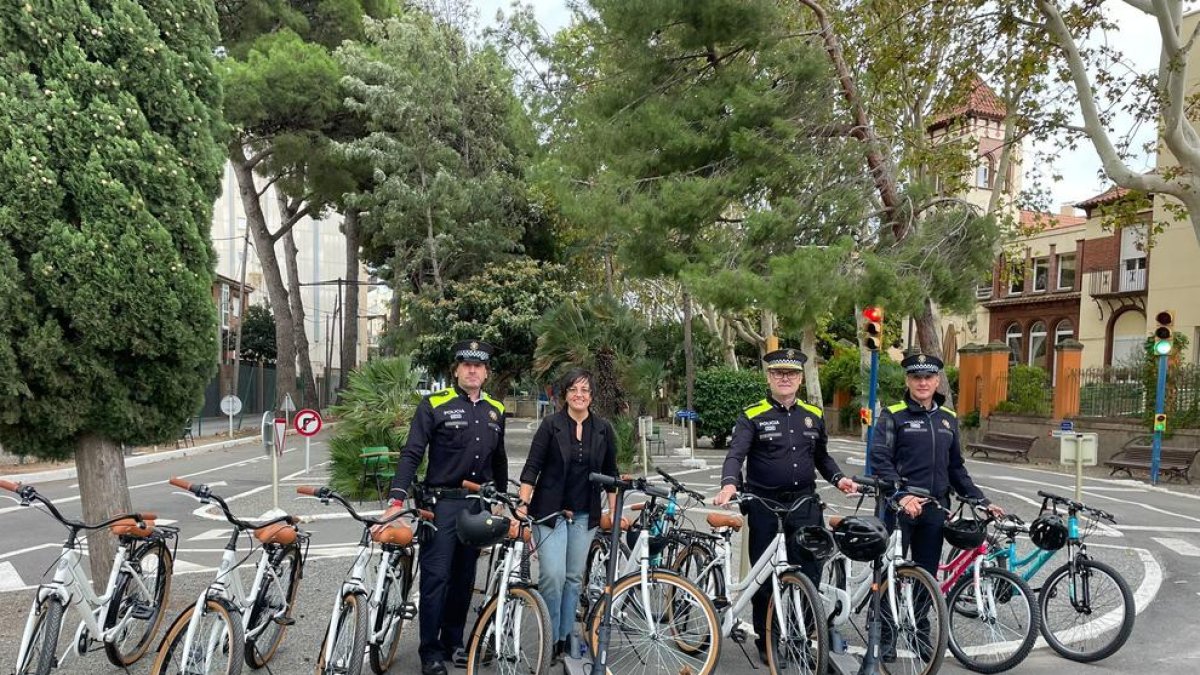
1068	210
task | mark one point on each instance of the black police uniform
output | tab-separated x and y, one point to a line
466	442
921	446
782	448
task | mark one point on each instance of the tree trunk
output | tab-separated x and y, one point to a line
308	395
689	356
285	342
608	398
931	344
349	358
431	237
812	380
103	493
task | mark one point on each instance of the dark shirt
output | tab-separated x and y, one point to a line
782	448
921	446
578	489
551	467
465	440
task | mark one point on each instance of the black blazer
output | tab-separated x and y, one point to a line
546	467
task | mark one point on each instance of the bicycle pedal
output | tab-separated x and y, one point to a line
721	603
409	612
284	620
142	612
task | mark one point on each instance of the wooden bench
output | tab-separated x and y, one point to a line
1005	444
1173	462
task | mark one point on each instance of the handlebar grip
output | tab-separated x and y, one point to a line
10	486
471	486
144	516
293	520
182	484
425	515
310	490
626	476
603	479
1047	495
920	492
655	491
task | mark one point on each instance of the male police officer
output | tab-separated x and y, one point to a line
917	439
782	440
463	428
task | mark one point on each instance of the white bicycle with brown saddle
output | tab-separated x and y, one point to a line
125	617
227	626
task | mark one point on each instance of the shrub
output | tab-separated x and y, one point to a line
1027	387
625	429
375	410
970	420
722	393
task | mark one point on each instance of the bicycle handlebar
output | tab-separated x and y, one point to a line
779	508
680	487
630	483
28	494
1073	505
204	493
325	493
10	486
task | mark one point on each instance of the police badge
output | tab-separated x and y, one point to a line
808	422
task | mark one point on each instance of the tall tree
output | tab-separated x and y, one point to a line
111	137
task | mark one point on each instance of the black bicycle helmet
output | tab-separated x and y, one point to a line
1049	532
481	530
816	541
965	533
861	538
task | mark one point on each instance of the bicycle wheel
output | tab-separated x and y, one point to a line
393	609
523	629
1086	615
801	643
694	563
678	632
216	647
915	640
1000	636
595	574
271	613
43	643
349	638
140	610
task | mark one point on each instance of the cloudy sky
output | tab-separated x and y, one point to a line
1138	39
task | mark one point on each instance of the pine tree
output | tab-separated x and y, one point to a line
109	165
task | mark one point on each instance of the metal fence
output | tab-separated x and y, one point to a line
1128	394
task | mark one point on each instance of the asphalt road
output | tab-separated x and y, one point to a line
1155	546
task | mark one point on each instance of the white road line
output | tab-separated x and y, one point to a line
219	533
12	554
1179	546
1157	528
10	580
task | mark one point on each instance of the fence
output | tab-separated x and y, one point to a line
256	388
1128	393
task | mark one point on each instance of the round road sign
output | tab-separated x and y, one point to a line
231	405
307	422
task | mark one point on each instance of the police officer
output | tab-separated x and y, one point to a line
917	439
783	443
463	428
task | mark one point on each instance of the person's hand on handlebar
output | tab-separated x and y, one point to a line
995	510
912	505
395	507
727	492
847	485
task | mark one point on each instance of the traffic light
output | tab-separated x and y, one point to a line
1160	422
864	416
873	328
1163	338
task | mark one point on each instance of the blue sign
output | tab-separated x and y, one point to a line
1067	425
687	414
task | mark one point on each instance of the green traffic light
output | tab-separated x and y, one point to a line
1162	347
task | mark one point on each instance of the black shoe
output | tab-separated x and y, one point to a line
558	652
459	658
762	651
433	668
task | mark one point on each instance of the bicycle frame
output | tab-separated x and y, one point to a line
507	571
772	563
858	587
359	580
970	559
1028	567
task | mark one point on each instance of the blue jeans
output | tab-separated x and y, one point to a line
562	555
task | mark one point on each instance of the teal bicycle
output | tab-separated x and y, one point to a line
1086	606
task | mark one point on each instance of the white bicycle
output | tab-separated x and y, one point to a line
369	613
227	626
125	617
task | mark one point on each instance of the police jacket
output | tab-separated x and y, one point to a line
548	465
782	448
465	441
921	446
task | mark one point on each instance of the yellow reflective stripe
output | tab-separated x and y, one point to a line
812	409
489	399
951	412
442	397
757	409
897	407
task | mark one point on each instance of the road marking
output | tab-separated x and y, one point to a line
10	580
1157	528
39	547
220	533
1179	546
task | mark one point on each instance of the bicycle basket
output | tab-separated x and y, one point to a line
965	533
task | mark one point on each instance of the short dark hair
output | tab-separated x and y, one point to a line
571	377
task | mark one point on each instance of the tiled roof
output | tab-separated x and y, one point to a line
982	101
1109	196
1049	220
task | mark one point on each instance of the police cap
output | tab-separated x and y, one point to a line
473	351
922	364
785	359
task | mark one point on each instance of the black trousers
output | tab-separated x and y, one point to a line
447	582
763	526
922	536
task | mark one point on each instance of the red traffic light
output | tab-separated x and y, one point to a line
873	314
1165	318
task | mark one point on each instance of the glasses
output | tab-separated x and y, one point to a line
579	392
784	374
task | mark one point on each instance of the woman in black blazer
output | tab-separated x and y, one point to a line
568	446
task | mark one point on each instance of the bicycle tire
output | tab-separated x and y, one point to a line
123	602
594	579
690	565
675	584
1050	592
42	656
396	590
260	649
352	617
1017	591
931	662
815	631
176	635
481	657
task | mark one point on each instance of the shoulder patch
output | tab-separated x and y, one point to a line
812	409
442	397
498	405
757	409
897	407
949	412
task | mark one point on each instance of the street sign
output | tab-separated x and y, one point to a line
289	406
268	431
231	405
280	433
1067	425
308	422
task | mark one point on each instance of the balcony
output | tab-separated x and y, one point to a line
1107	283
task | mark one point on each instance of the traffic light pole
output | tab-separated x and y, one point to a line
872	387
1160	396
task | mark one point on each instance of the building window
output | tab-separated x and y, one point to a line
1066	272
1065	330
1012	337
984	173
1016	281
1133	274
1037	345
225	306
1041	274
